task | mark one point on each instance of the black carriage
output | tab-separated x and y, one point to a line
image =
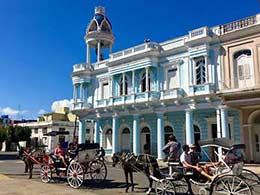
229	175
88	160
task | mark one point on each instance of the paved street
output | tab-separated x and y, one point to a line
14	182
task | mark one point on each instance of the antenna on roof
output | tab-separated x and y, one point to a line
19	112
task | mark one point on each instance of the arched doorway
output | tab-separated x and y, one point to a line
108	139
125	140
255	138
145	138
168	130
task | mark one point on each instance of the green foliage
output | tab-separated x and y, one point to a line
3	134
18	133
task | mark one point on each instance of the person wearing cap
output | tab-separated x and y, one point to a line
195	156
172	149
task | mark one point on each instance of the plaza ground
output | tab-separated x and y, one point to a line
14	182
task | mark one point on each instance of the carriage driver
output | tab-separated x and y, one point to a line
185	159
59	152
172	148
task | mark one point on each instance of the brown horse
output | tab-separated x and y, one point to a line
142	163
30	157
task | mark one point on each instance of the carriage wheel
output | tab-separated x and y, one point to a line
164	187
75	175
230	184
46	173
181	186
98	171
251	179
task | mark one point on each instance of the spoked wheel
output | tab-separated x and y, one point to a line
46	173
164	187
75	175
251	179
230	185
181	187
98	171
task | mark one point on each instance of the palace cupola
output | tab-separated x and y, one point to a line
99	37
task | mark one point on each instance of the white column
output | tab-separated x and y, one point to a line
194	72
98	51
219	131
81	92
136	135
190	70
160	135
88	54
82	132
133	81
111	86
206	68
97	132
74	93
110	49
189	127
146	79
115	135
224	123
123	83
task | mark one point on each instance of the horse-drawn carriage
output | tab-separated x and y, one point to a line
229	175
88	159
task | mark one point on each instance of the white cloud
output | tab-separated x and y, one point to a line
11	111
41	111
61	103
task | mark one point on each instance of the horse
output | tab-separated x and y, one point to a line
30	157
142	163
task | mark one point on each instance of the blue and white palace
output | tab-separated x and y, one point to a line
141	95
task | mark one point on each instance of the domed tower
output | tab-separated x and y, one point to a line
99	35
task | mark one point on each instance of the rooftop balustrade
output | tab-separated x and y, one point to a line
134	50
240	24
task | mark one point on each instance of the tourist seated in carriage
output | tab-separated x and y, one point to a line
185	160
71	151
59	153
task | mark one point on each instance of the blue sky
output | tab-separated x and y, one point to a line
40	40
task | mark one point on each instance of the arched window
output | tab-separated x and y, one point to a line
125	140
243	66
93	26
108	139
105	27
126	131
196	134
145	130
143	82
168	130
200	69
121	87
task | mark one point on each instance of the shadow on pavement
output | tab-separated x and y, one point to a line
9	156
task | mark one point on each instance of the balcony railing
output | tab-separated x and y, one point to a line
137	49
128	99
81	105
172	93
239	24
238	83
80	67
205	88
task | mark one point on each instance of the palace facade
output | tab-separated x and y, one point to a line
141	95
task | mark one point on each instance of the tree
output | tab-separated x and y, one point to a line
3	134
18	133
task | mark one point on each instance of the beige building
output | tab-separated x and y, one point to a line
61	120
240	73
